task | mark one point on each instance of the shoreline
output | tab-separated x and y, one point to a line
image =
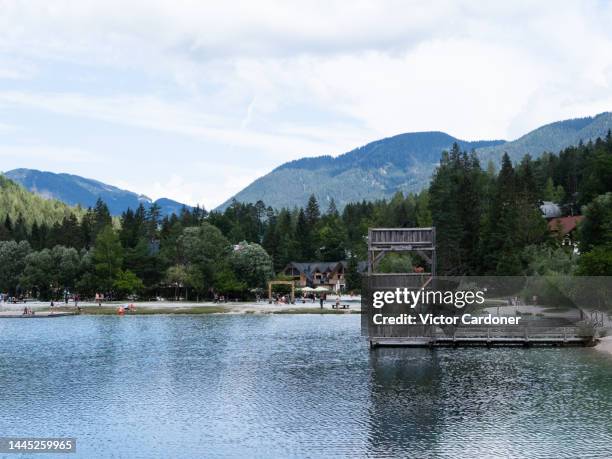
42	310
175	308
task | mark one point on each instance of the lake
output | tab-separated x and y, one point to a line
292	385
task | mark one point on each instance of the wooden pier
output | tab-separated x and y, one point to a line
422	241
564	336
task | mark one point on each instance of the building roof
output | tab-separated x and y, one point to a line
309	268
564	225
316	266
550	209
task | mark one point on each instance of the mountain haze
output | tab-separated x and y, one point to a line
404	163
76	190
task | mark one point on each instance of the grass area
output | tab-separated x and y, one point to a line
112	311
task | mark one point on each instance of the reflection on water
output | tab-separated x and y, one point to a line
497	402
286	386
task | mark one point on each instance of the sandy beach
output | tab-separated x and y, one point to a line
180	307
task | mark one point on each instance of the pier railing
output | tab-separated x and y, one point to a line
417	240
570	335
393	237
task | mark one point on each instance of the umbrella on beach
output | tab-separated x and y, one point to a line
307	289
321	289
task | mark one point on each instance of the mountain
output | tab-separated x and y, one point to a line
16	201
74	190
401	163
551	138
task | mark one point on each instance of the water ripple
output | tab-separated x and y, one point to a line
292	386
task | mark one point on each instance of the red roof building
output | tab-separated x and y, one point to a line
564	225
564	229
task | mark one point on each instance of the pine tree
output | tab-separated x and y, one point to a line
332	209
100	218
312	212
270	237
422	211
501	254
303	238
353	277
287	242
126	234
6	229
153	219
455	210
20	230
34	239
69	233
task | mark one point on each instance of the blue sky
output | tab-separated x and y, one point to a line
194	100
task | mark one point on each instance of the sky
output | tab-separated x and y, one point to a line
193	100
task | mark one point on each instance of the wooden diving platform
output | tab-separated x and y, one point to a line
565	336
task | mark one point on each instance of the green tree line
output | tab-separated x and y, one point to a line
487	220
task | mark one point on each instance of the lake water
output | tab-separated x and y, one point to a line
286	386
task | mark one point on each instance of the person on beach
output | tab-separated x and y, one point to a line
321	299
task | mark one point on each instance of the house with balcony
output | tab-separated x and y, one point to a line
330	274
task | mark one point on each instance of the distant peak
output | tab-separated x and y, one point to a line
77	190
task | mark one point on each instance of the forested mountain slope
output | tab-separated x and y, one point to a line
402	163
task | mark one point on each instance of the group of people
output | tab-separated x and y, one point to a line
6	298
67	298
121	310
220	298
281	299
322	298
99	298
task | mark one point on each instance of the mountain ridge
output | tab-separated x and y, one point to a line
17	202
404	162
75	190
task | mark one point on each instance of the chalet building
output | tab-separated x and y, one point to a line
330	274
564	228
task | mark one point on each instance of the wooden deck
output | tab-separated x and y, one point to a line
565	336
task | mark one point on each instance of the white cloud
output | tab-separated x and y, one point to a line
204	190
30	155
269	81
